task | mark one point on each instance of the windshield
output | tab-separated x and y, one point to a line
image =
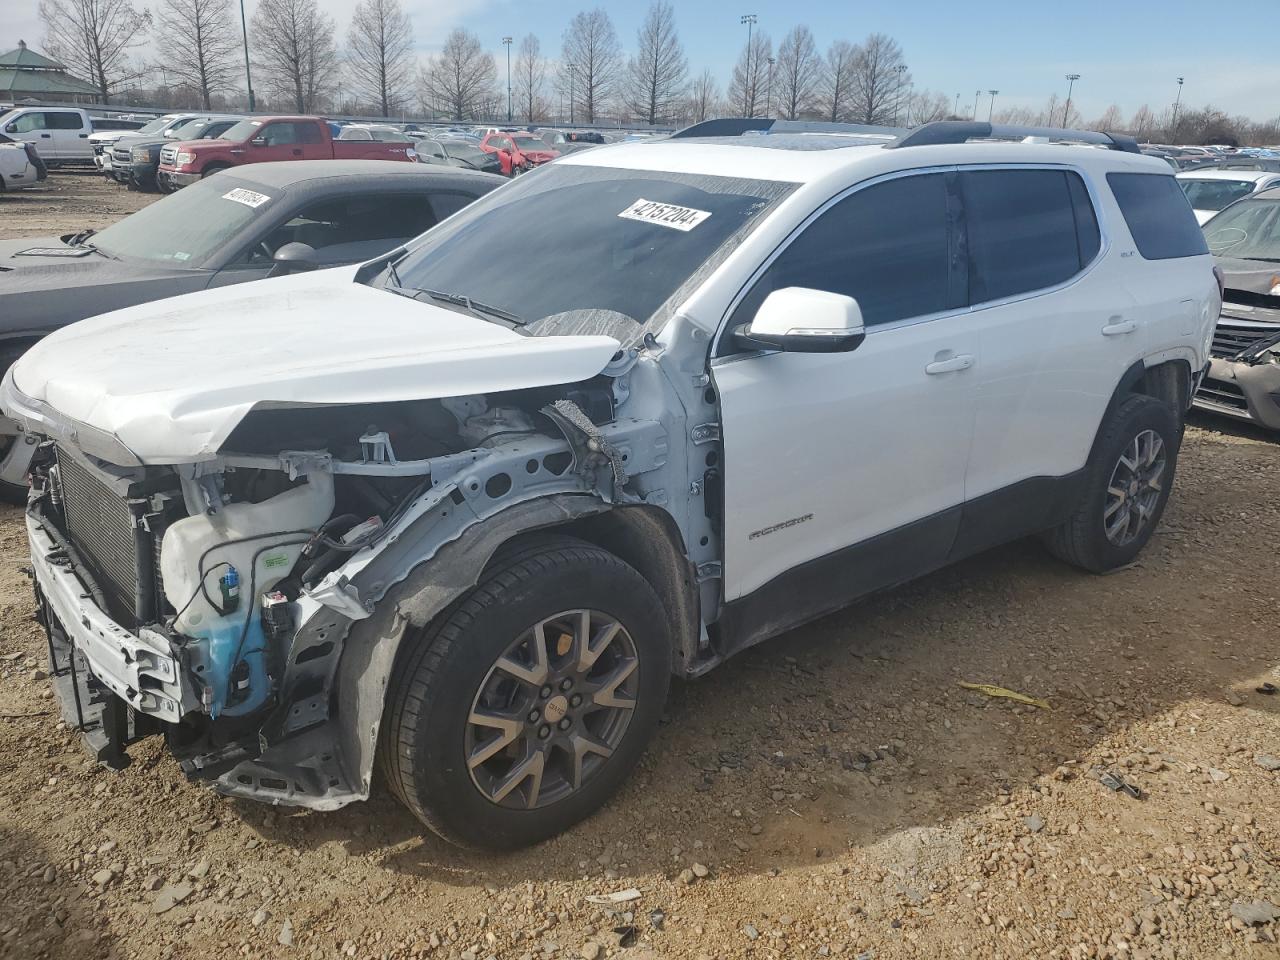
156	125
577	249
239	132
1250	230
530	143
1215	194
188	227
188	129
465	151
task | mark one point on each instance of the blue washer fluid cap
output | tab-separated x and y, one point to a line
229	585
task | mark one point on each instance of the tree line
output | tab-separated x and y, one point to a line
300	63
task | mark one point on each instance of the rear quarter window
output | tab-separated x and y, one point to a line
1158	214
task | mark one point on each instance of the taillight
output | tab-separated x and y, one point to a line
1222	281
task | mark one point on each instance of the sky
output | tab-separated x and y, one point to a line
1128	52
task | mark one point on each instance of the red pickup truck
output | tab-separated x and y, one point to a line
263	139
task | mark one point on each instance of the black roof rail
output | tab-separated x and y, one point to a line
962	131
736	127
724	127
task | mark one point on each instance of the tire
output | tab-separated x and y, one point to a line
13	493
449	671
1118	510
210	171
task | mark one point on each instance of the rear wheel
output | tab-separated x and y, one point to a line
522	710
1127	486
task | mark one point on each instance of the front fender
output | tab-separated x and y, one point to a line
318	745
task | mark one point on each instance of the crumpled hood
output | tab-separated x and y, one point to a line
170	380
1249	286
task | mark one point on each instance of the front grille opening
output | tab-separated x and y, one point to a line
100	526
1224	393
1229	342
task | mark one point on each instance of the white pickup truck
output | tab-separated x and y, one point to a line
60	134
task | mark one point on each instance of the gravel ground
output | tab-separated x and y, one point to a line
832	793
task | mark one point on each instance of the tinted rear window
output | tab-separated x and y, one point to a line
1025	233
1158	215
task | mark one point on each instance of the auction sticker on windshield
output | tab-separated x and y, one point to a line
665	214
247	197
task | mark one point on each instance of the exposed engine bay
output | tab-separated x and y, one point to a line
228	588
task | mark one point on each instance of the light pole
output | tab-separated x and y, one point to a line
897	99
750	19
768	97
956	111
1066	112
992	108
506	42
1173	128
573	70
248	80
976	97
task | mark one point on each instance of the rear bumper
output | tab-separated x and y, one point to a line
1246	391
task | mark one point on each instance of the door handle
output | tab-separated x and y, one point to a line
236	152
961	362
1116	327
297	153
46	136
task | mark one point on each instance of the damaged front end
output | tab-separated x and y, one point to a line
1243	380
250	607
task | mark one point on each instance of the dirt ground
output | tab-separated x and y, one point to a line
832	793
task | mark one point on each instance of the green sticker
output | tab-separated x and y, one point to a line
275	560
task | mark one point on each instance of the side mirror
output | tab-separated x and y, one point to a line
259	141
11	128
295	258
800	320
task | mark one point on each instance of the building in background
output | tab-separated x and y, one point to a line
27	75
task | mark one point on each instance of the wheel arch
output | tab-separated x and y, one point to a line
1169	380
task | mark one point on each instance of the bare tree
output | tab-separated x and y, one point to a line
837	81
591	49
1111	119
200	42
750	74
878	84
656	74
1143	123
380	53
703	99
927	106
797	73
531	79
459	79
293	44
93	39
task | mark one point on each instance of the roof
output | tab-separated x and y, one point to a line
25	71
294	173
27	58
753	158
1216	174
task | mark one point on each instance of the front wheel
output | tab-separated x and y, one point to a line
523	709
1127	485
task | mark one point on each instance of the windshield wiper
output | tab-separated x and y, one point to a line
81	241
461	300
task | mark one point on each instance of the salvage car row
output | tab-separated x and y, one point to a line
172	150
459	508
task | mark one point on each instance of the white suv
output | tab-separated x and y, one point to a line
467	507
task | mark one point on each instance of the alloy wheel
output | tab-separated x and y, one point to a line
552	709
1135	488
